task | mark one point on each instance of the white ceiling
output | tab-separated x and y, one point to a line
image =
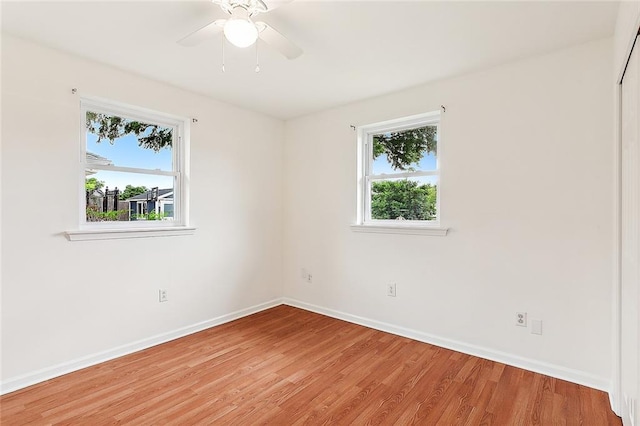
352	49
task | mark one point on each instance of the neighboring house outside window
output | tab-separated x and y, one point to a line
399	173
152	205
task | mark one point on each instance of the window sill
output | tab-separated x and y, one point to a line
116	234
410	230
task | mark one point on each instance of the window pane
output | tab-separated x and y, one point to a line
407	150
114	140
118	196
404	199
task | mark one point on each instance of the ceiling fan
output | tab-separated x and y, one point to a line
240	29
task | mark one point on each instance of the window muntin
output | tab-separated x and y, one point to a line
132	164
399	172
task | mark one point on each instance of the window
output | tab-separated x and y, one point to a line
133	170
399	174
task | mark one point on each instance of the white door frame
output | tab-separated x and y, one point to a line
615	394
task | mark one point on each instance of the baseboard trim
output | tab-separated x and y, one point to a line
38	376
615	405
559	372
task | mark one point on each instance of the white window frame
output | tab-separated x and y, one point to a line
364	223
180	154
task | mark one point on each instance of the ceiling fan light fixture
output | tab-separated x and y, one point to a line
239	29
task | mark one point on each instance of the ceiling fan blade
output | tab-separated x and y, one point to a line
203	33
274	4
221	3
279	42
253	6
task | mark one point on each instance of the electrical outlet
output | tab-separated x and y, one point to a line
162	295
521	319
306	275
391	290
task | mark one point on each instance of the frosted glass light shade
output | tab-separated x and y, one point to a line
240	32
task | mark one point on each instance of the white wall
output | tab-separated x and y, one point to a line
527	178
526	190
65	300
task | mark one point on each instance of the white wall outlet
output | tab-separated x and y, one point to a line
163	296
306	275
521	319
536	326
391	289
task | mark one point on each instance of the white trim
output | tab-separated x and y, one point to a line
109	106
38	376
557	371
616	286
401	175
152	172
365	162
41	375
399	229
179	172
403	123
616	398
133	225
124	233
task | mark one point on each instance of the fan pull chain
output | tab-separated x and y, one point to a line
257	64
223	53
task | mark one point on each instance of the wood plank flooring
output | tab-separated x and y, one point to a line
286	366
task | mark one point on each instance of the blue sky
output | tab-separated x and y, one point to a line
125	152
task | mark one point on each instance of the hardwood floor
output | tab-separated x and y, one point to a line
286	366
